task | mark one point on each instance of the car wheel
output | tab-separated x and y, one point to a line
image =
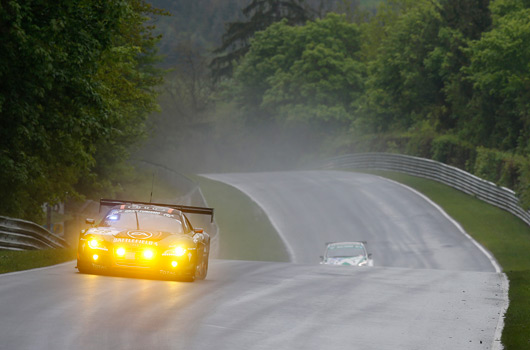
203	269
189	278
83	268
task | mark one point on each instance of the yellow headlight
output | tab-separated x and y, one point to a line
120	251
174	263
180	251
93	243
148	254
95	257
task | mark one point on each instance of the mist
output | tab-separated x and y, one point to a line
233	146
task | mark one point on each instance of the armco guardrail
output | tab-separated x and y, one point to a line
16	234
489	192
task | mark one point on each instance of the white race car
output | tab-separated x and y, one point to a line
347	253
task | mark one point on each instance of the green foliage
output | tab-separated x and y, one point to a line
415	59
375	29
500	75
502	168
59	99
310	73
449	149
129	80
400	88
419	140
523	187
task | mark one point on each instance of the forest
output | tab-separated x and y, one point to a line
446	80
245	85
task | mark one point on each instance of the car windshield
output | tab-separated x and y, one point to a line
345	250
142	220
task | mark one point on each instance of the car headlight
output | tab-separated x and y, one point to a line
120	252
95	243
177	251
148	254
180	251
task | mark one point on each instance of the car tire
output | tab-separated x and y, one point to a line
83	268
204	269
188	278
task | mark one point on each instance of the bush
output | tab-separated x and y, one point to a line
488	164
522	188
505	169
449	149
420	140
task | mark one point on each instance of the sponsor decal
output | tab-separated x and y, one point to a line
135	241
139	234
164	272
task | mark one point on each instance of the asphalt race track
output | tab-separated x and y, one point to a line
431	287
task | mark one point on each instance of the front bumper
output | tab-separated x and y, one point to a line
134	259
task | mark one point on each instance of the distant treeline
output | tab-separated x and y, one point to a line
445	79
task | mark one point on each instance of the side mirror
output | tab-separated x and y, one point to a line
321	258
370	256
90	221
198	230
198	238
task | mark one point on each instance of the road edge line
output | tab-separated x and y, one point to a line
505	284
35	269
273	223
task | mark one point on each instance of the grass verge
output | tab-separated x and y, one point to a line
11	261
503	234
248	235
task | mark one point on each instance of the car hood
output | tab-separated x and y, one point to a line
136	237
349	261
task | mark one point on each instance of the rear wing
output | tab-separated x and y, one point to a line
182	208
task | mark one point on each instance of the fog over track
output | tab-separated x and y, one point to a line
431	288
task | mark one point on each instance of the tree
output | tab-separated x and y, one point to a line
129	84
400	88
59	99
305	73
260	15
416	70
499	112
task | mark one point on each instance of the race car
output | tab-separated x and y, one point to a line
143	237
347	253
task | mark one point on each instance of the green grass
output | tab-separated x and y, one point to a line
245	230
503	234
11	261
